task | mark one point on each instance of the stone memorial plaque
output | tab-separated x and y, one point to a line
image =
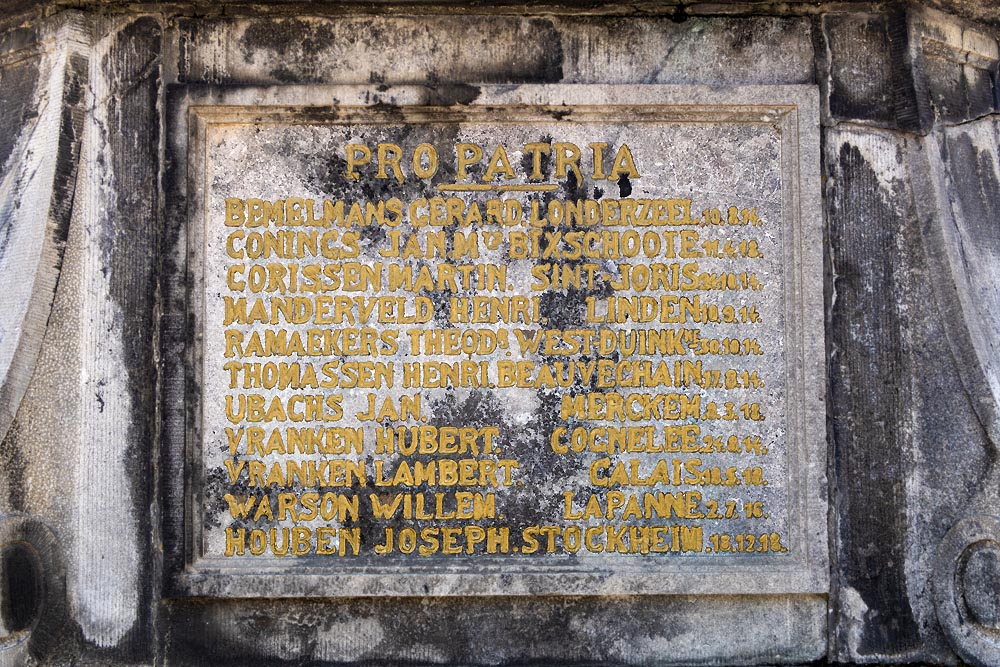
550	340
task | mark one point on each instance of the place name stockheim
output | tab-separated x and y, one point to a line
559	340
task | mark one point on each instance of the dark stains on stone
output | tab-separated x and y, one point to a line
541	631
742	36
67	158
24	37
22	587
478	409
865	373
974	194
129	243
194	62
549	68
867	442
943	414
562	309
978	191
452	94
17	116
624	186
8	211
283	74
909	95
441	302
571	188
175	389
286	36
295	42
17	108
325	172
561	114
958	91
295	50
15	467
37	585
216	485
388	109
851	40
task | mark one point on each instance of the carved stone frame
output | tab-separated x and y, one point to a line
794	109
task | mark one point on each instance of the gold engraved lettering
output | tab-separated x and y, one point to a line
392	364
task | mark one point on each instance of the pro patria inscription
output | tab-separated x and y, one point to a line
561	340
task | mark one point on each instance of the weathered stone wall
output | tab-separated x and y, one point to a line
911	143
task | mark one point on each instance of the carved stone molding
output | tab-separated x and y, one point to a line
967	597
32	590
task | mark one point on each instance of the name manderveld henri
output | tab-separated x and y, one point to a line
353	310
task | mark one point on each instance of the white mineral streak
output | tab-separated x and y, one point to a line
853	613
794	631
105	595
292	637
880	150
351	640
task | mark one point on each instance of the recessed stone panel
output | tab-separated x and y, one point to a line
503	340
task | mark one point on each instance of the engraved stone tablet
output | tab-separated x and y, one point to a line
555	339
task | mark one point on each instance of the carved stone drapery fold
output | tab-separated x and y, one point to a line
37	183
957	187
